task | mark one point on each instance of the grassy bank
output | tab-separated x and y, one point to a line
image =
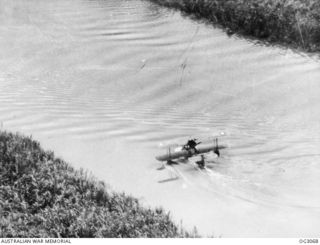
291	22
43	196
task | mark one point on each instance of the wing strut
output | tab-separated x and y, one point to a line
216	149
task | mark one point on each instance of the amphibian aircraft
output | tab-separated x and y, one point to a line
190	149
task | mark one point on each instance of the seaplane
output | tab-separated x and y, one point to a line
192	148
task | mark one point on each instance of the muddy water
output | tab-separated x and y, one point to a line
105	84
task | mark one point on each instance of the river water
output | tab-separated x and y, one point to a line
107	84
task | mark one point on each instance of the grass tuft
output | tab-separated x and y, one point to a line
292	22
43	196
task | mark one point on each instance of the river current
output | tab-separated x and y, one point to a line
107	84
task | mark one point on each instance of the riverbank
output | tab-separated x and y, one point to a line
43	196
291	22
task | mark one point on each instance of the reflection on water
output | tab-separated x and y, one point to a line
104	83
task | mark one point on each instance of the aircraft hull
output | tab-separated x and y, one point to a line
171	155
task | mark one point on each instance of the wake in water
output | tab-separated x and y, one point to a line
213	181
209	176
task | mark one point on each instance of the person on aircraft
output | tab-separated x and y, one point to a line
191	144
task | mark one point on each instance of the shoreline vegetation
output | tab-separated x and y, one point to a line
295	23
43	196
